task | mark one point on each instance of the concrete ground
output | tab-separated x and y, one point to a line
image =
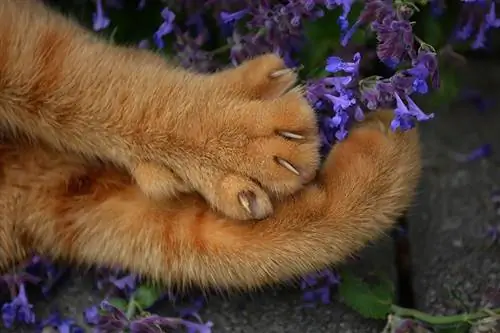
454	266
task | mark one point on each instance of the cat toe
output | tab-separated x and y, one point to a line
263	77
240	198
283	154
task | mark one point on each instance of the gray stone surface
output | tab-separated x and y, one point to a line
71	298
272	310
282	310
454	268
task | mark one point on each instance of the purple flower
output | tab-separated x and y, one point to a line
19	309
479	153
111	319
425	66
476	98
91	315
100	21
190	54
406	115
231	17
321	283
466	31
165	28
346	9
491	18
392	28
395	39
335	64
477	17
116	280
126	283
321	293
479	41
278	28
493	233
192	310
63	325
153	323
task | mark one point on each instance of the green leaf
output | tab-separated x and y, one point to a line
322	35
371	301
119	303
432	30
146	295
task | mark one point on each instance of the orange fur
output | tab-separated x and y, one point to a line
174	130
131	162
93	213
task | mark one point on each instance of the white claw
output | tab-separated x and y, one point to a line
245	202
287	165
291	135
281	72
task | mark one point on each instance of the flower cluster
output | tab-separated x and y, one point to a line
216	33
477	17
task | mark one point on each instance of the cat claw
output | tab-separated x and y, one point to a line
299	89
291	135
285	71
246	198
281	72
287	165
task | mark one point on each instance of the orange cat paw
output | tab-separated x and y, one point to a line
281	151
263	77
235	151
244	152
240	198
233	195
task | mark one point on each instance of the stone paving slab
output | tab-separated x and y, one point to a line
453	267
278	309
282	310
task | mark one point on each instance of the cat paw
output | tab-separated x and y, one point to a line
250	152
240	152
238	197
280	147
263	77
235	196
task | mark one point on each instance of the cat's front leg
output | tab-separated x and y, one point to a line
237	152
173	130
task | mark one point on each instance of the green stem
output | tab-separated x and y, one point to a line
228	46
443	320
222	49
131	307
113	34
423	44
